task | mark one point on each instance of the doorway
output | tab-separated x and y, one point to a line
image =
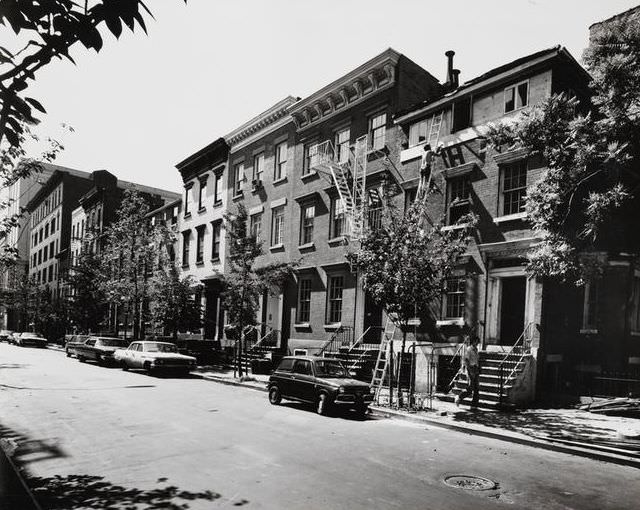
372	320
512	308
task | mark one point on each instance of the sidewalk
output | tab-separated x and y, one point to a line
608	438
13	490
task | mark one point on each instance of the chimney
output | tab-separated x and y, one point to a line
449	54
456	78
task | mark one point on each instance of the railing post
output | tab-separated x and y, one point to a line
501	385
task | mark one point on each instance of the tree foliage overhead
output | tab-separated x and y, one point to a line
593	174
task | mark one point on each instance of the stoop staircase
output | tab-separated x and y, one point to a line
501	375
259	347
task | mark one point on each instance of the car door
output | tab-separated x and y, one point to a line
130	355
303	381
87	348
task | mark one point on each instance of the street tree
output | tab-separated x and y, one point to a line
589	190
244	281
86	306
405	263
172	301
127	260
44	31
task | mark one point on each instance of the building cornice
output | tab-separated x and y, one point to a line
373	76
278	113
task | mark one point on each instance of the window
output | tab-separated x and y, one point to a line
341	144
255	226
338	225
45	254
590	307
280	169
459	192
202	194
302	366
217	189
635	304
51	246
336	286
216	230
53	225
311	157
516	97
40	235
50	273
304	300
418	132
307	215
277	226
514	187
258	168
374	209
454	298
461	114
187	201
40	256
377	131
410	198
238	178
200	244
186	240
286	365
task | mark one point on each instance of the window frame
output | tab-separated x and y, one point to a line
338	144
238	178
307	223
590	307
280	165
523	167
308	160
253	223
516	97
200	234
303	311
458	296
187	200
372	130
258	167
334	302
333	219
186	247
202	191
277	226
216	239
464	182
218	190
415	129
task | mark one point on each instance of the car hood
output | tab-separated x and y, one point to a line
352	383
166	355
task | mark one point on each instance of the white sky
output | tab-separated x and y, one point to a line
146	102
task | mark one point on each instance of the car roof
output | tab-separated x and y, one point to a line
311	358
151	342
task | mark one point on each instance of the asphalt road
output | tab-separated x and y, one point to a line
93	437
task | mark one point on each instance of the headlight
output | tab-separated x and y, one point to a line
341	389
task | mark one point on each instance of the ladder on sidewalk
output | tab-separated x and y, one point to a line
382	362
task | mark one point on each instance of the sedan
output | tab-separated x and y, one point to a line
154	356
24	339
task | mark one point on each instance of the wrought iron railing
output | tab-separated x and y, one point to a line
342	337
522	346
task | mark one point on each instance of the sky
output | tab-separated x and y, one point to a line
146	102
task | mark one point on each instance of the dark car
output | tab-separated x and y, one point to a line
99	348
24	339
5	335
324	382
72	342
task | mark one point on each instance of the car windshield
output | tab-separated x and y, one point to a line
113	342
158	347
327	368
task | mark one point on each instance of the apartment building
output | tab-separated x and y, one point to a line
490	292
201	237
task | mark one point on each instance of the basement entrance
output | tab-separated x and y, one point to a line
512	301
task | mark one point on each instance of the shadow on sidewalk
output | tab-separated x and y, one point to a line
538	423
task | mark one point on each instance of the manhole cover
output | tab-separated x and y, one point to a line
470	482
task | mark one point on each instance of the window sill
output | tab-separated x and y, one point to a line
510	217
461	226
217	204
337	240
202	210
308	175
185	266
215	260
277	247
302	325
307	246
333	325
279	181
237	196
199	263
187	215
458	321
588	331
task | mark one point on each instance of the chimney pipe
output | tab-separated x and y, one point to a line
456	78
449	54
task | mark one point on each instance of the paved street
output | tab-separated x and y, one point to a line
104	438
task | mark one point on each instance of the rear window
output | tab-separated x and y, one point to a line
286	365
114	342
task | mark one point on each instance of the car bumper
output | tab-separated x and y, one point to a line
350	399
172	366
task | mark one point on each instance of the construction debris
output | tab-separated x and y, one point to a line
617	406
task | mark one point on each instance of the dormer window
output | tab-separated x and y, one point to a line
516	96
418	132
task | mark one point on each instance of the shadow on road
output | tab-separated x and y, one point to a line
86	491
342	413
13	365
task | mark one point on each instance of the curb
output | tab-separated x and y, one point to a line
540	443
27	496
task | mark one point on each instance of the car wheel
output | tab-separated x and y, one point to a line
81	359
68	354
274	395
147	367
124	365
323	404
361	411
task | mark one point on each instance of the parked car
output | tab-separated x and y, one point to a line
24	339
5	335
154	356
98	348
72	342
205	352
324	382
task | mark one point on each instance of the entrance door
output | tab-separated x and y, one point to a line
372	319
272	311
512	305
210	315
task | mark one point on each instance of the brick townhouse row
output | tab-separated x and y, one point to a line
269	165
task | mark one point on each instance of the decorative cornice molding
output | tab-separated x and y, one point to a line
457	171
511	156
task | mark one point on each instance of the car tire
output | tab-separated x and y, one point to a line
361	411
322	406
81	359
124	366
68	354
147	367
274	396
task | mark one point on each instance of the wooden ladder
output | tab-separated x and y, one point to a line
382	362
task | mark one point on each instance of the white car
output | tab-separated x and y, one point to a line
30	339
154	356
